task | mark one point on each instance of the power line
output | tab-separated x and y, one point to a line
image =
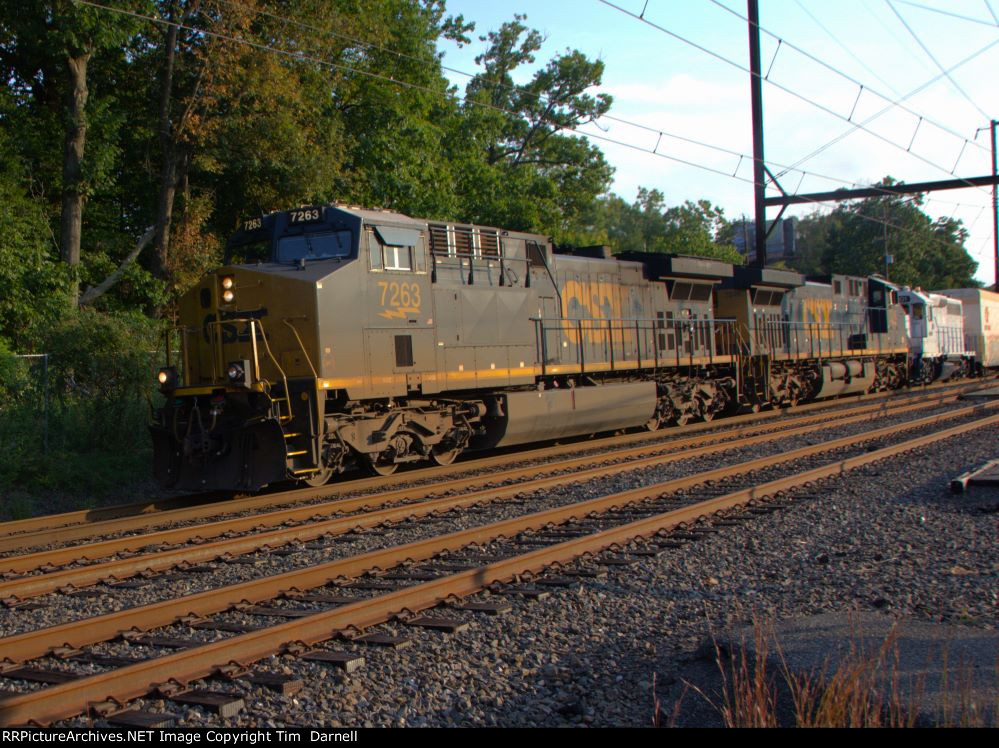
950	13
779	86
302	57
912	93
541	98
936	61
837	71
843	46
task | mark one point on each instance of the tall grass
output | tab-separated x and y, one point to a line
865	689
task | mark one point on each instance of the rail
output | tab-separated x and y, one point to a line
951	339
815	339
592	344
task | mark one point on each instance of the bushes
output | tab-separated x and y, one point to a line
91	405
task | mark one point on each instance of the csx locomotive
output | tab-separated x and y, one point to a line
334	337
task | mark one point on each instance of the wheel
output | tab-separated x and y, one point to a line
319	479
444	456
708	416
654	423
382	468
683	419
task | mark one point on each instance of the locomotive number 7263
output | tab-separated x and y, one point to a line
402	296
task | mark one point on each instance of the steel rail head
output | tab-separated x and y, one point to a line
36	643
18	534
74	697
25	587
259	522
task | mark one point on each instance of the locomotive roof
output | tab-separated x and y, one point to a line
748	277
679	266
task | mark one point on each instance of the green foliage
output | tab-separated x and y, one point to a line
103	359
647	225
90	405
518	166
32	282
854	237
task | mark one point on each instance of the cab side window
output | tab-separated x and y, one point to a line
398	250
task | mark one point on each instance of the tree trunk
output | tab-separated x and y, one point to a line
72	172
168	171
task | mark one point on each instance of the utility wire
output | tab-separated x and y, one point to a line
779	86
302	57
839	72
909	95
299	56
950	13
540	98
843	46
936	61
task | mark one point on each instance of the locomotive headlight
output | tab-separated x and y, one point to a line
168	379
228	296
237	372
227	282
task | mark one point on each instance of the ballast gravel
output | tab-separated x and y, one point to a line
889	537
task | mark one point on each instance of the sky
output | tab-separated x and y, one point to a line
829	66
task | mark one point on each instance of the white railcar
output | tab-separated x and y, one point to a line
935	322
981	323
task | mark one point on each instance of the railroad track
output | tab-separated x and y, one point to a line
322	602
247	534
17	534
421	484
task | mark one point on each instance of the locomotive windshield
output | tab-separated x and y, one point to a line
247	254
325	246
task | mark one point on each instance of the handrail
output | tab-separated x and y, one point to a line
320	422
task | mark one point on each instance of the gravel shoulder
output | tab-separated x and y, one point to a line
889	538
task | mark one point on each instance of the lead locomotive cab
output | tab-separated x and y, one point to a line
244	402
315	350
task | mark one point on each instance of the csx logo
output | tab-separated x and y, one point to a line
233	332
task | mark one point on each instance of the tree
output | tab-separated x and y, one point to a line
31	279
518	166
47	50
854	238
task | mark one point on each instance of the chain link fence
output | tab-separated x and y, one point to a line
72	425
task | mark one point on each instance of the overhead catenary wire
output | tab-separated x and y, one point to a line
833	69
539	97
843	46
977	53
302	57
779	86
952	14
659	132
936	62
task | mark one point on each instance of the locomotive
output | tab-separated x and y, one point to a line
335	337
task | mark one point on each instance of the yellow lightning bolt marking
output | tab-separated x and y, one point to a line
399	312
